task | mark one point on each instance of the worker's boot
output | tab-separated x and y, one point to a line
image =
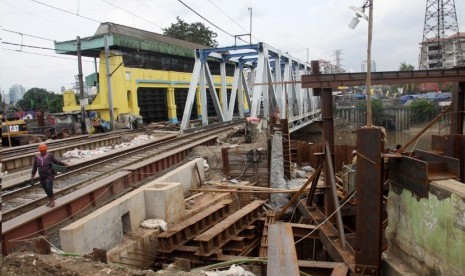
51	203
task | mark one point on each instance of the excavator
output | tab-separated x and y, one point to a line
13	130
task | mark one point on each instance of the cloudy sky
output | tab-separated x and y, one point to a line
292	26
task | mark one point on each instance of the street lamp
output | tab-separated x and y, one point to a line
360	12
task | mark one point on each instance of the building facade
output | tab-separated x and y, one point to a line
364	66
16	93
442	54
149	74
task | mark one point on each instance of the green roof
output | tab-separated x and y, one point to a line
128	39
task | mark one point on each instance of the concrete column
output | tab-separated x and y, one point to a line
199	103
171	103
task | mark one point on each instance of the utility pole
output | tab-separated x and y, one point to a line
368	79
110	98
81	88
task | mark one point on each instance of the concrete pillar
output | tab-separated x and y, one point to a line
199	103
171	104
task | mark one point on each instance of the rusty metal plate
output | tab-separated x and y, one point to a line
282	256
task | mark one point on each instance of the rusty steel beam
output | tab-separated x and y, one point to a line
185	231
454	146
328	236
323	268
328	131
377	78
269	219
416	172
286	141
214	238
225	157
282	256
302	230
458	107
369	189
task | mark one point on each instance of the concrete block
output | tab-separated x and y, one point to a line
164	201
186	175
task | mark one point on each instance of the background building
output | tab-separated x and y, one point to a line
435	57
16	93
364	66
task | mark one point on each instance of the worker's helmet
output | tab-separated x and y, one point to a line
42	147
354	152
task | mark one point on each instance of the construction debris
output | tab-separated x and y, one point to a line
79	154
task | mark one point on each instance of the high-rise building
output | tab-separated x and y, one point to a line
16	93
364	66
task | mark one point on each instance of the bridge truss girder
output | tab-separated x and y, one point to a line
275	82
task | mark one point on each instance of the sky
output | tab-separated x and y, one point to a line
321	26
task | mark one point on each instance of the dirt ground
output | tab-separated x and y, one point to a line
27	263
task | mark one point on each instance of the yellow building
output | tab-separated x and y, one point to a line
149	74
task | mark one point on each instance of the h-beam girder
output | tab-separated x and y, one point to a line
220	234
183	232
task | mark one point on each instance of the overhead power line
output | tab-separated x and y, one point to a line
32	46
213	24
20	33
133	14
45	55
56	8
211	2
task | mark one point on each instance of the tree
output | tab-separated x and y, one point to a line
194	32
408	87
423	110
376	110
41	99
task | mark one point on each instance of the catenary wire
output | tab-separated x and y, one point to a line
213	24
20	33
218	8
56	8
133	14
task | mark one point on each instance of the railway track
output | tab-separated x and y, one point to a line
20	200
17	158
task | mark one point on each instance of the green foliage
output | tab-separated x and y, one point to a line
408	87
194	32
376	110
423	110
41	99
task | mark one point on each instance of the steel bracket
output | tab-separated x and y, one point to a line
414	173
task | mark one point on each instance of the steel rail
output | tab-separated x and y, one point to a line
85	173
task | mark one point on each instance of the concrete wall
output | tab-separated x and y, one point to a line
105	227
428	234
